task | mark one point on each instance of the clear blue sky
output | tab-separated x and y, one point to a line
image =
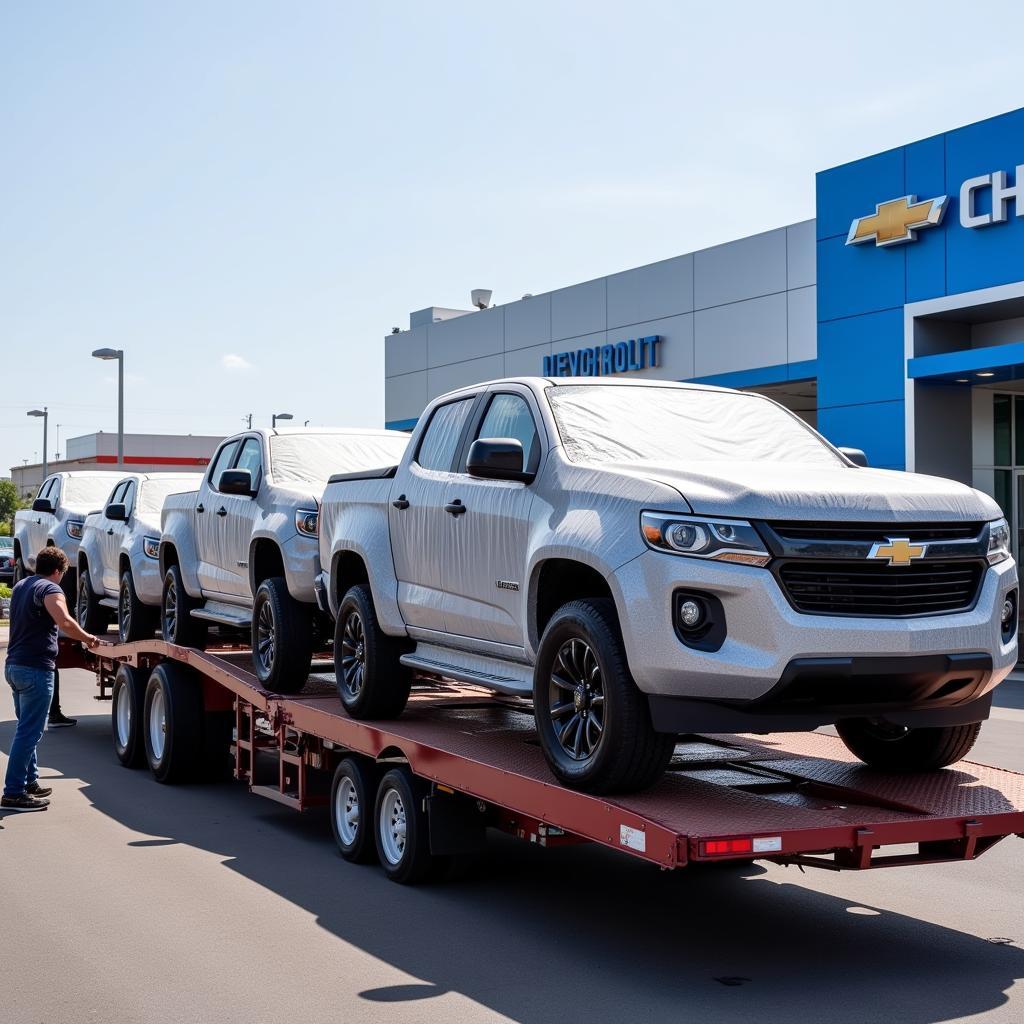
246	196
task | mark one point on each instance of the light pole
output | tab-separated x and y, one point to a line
45	414
118	354
280	416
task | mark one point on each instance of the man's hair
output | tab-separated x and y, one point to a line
51	560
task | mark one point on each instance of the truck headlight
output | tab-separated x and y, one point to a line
307	521
724	540
998	541
151	547
74	528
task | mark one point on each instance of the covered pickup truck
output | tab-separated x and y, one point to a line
241	551
118	558
647	559
57	517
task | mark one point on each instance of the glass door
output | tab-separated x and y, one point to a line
1017	518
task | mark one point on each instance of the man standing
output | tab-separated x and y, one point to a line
38	610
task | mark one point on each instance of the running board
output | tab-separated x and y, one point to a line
495	674
109	602
223	614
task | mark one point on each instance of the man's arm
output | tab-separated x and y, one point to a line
58	611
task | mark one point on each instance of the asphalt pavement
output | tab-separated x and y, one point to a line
128	902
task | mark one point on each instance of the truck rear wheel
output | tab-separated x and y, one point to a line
353	795
402	831
91	615
173	723
894	748
176	623
372	681
126	716
282	638
593	723
135	620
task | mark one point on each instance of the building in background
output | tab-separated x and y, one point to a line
143	453
893	321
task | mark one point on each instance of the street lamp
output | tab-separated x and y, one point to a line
280	416
44	413
118	354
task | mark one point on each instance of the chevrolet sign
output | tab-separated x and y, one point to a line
603	360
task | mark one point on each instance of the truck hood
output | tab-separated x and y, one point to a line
778	490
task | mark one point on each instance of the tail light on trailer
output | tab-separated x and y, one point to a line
734	847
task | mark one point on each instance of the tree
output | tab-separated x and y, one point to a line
9	502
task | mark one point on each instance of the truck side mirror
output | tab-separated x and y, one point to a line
497	458
117	512
42	505
856	456
236	481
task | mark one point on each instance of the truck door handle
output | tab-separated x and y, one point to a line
110	532
199	507
455	507
400	503
222	511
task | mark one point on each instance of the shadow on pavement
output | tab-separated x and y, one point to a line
574	934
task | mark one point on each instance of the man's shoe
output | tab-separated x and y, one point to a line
61	721
34	789
23	802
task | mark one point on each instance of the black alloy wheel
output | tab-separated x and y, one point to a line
576	699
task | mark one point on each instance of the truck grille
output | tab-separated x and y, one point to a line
879	590
872	532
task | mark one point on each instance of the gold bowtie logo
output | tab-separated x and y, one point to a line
897	221
898	550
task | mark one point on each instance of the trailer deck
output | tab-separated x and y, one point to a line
786	797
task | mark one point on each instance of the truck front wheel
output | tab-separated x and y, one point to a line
372	681
593	723
282	638
135	620
896	748
176	623
91	615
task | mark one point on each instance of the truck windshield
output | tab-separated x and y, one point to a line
87	491
314	458
605	423
153	492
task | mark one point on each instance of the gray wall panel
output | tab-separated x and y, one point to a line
405	396
740	336
803	324
740	270
651	292
578	310
801	255
458	375
675	353
526	362
527	322
475	334
405	352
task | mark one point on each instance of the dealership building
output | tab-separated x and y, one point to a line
892	322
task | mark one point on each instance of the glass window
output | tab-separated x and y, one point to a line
1004	492
117	495
251	459
223	461
510	416
437	449
1001	413
129	497
45	487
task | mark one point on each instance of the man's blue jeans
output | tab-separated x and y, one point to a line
33	688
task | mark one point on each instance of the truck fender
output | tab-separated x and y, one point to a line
178	536
380	569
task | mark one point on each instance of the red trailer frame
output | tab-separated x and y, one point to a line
796	798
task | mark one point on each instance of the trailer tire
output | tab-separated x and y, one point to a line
282	638
904	751
176	623
401	830
622	752
372	681
353	794
127	719
89	613
135	620
173	731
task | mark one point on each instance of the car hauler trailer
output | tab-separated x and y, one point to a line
415	791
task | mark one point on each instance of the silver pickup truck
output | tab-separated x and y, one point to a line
57	517
647	559
241	551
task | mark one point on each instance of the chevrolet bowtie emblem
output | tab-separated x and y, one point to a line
898	550
897	221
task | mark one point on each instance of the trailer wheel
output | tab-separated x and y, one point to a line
176	623
894	748
127	719
282	638
91	615
593	723
135	620
352	802
372	681
402	832
173	712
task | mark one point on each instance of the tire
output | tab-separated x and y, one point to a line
282	638
372	682
892	749
20	572
173	723
176	623
400	828
127	717
135	620
607	744
353	794
89	613
69	584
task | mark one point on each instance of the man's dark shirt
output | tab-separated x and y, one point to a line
33	642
